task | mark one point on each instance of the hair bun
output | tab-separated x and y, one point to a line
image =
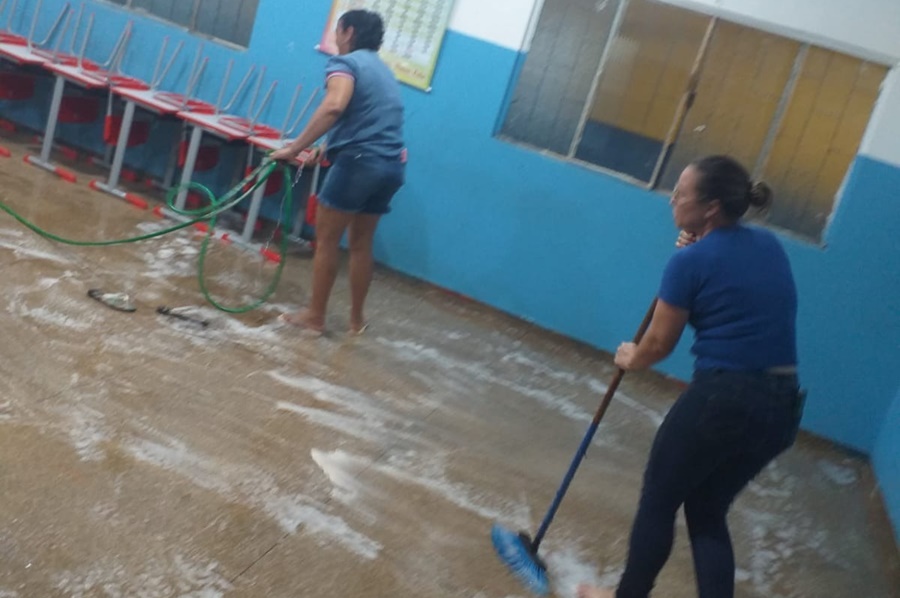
760	195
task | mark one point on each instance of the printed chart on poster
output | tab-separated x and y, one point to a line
414	31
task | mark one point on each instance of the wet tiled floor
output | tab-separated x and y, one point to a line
147	457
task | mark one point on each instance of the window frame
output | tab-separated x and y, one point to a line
190	28
806	43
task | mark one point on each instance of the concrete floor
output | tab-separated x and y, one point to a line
143	457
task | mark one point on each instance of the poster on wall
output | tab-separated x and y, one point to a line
414	31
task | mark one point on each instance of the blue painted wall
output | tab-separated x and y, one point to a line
571	249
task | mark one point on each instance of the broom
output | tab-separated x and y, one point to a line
516	549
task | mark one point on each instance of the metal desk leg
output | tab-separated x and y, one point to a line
253	213
169	177
121	145
52	118
112	184
189	163
106	160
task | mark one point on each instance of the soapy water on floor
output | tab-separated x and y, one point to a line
24	245
174	575
375	418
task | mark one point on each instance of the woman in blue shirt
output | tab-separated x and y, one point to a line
733	284
362	113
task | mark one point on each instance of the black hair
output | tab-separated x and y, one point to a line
723	178
368	29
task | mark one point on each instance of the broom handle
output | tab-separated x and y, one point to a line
589	435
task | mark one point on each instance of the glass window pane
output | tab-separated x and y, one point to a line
556	78
146	5
230	20
245	20
742	82
641	86
818	138
176	11
209	18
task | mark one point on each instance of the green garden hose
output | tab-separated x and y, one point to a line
216	206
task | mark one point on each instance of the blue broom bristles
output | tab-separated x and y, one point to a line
518	557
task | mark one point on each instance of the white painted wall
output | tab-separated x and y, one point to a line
869	29
500	22
866	28
882	138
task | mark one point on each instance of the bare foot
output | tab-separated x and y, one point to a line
586	591
357	329
305	321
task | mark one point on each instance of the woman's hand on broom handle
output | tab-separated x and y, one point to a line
684	239
625	355
664	330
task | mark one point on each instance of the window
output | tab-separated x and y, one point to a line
641	87
228	20
556	78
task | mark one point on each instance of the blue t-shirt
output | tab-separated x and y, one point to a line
373	120
737	284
